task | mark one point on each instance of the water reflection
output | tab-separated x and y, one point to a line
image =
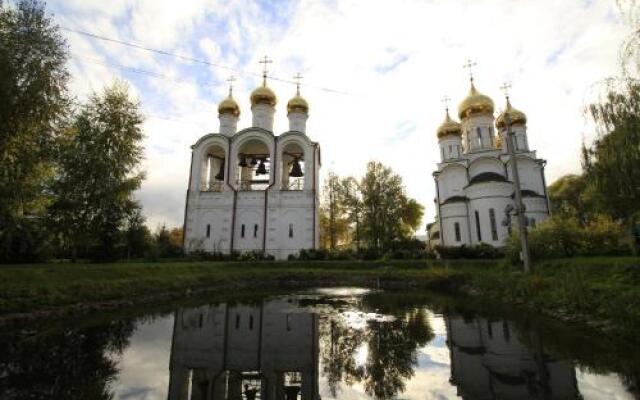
345	345
489	362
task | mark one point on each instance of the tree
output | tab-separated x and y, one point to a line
137	236
333	223
611	162
33	89
352	200
388	214
99	172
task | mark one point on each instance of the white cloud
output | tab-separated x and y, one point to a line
396	59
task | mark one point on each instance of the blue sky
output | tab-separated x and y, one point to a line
375	72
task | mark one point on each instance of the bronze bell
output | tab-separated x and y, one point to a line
253	162
220	175
296	170
243	161
262	168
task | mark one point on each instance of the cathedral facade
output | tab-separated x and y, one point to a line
253	190
474	182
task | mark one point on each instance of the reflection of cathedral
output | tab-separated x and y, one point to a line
488	362
241	352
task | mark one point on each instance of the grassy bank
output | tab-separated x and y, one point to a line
604	292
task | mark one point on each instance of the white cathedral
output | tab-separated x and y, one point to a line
474	182
252	190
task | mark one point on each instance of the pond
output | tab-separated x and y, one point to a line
340	343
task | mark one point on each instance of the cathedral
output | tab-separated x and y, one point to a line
474	183
253	190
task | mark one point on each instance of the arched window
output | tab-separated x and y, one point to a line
237	321
479	131
255	230
494	227
242	231
479	233
456	228
290	230
251	322
208	230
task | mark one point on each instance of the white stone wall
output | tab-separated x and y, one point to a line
452	181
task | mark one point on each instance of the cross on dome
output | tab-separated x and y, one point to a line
469	64
297	77
505	89
445	100
231	79
266	62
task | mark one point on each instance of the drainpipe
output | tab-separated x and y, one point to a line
544	186
266	191
186	204
439	211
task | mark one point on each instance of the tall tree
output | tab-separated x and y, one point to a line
388	214
612	160
99	171
33	89
351	198
333	224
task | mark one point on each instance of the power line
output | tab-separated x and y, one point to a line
187	58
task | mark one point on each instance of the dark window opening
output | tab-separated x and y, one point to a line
242	231
456	227
478	226
494	227
290	230
237	321
489	329
255	231
505	330
251	322
208	230
200	321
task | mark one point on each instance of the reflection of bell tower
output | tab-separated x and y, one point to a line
242	352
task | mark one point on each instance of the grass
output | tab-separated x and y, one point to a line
604	292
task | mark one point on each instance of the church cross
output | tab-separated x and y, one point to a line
298	78
505	89
445	100
469	65
231	79
266	62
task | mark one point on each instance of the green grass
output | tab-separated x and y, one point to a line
604	291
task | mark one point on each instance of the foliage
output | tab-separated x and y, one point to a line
168	243
333	222
571	195
563	236
33	89
480	251
137	238
611	163
98	172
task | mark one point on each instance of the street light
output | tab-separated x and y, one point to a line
519	207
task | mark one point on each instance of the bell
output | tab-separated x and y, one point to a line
253	162
243	161
296	170
220	175
262	169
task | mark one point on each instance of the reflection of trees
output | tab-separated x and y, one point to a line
73	364
392	352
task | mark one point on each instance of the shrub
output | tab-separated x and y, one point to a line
562	236
481	251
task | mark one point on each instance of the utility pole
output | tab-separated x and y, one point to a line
519	208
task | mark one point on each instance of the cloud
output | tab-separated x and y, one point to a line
395	60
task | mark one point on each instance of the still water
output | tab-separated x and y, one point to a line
344	343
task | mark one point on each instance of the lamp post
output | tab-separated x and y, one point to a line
519	207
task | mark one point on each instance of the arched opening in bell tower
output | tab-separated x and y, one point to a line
213	169
254	166
293	167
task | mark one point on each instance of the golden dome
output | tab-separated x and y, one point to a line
517	117
475	103
449	127
297	104
263	95
229	106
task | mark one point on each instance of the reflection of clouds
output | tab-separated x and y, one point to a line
594	386
144	365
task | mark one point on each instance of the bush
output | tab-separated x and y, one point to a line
562	236
481	251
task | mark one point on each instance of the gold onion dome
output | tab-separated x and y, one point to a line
297	104
229	106
517	117
449	127
475	103
263	95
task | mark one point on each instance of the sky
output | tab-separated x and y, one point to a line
375	73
